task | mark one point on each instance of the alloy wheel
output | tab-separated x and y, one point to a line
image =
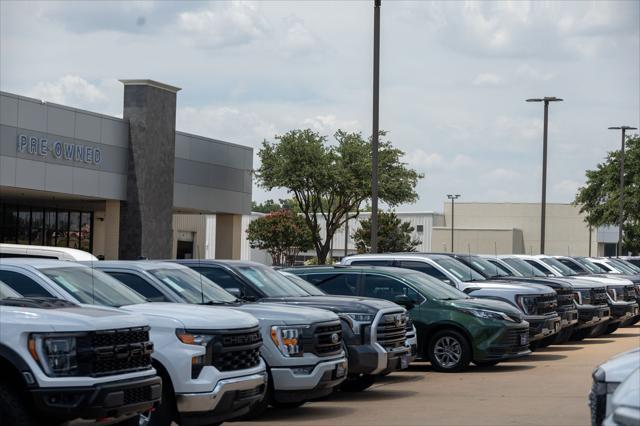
447	351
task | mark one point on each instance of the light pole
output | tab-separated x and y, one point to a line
621	217
374	133
453	198
546	101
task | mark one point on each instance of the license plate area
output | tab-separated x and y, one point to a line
340	371
404	361
524	339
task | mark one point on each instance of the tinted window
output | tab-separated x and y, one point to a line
501	267
572	265
335	283
372	262
219	276
459	269
301	282
383	287
139	285
558	266
191	286
526	269
23	284
425	268
539	266
270	282
603	266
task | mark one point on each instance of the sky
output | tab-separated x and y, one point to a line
454	78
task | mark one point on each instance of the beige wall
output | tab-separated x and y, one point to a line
228	236
566	232
190	223
482	241
106	230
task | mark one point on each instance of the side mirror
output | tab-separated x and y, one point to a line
235	292
404	300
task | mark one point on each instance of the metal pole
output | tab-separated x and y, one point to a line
590	232
621	219
375	131
452	215
346	238
544	176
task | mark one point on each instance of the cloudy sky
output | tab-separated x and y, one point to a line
454	77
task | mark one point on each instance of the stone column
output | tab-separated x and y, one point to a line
228	236
146	215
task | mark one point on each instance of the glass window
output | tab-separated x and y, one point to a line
526	269
140	285
270	282
219	276
24	223
62	230
485	267
459	269
622	266
74	230
50	221
191	286
86	227
573	265
372	262
430	287
603	266
544	268
503	268
23	284
6	291
37	227
9	224
301	282
588	265
344	284
388	288
425	268
92	287
562	269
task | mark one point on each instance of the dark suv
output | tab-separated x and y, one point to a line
453	328
374	331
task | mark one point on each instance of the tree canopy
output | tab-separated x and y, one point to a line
599	198
271	206
393	235
330	183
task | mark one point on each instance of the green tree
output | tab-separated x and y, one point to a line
331	182
283	234
599	198
272	206
394	235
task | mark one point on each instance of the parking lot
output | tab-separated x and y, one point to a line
550	387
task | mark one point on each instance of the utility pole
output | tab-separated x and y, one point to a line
453	198
621	214
543	204
375	131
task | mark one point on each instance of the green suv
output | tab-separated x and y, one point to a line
453	328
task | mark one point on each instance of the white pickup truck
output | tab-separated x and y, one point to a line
199	387
63	363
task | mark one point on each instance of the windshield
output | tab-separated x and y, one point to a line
304	284
485	267
459	270
270	282
558	266
6	291
524	268
93	287
588	265
433	288
628	264
192	286
622	267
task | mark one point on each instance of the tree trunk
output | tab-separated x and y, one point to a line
322	253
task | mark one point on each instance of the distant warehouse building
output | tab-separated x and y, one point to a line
111	186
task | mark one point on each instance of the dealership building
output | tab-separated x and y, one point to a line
112	186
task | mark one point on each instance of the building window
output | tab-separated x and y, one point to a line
420	228
49	227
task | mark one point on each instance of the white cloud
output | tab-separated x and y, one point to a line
487	79
329	124
298	39
531	72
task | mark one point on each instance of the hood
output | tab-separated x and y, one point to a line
580	283
628	393
620	366
280	313
196	316
495	305
512	287
633	278
78	318
548	281
339	304
603	280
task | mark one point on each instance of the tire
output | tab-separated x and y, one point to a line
485	363
358	384
449	351
543	343
611	328
563	337
579	335
13	410
599	330
165	413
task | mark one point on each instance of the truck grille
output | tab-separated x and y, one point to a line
391	331
327	339
409	329
108	352
546	304
137	395
598	296
236	350
629	294
566	298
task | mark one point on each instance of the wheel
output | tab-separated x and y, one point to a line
13	410
542	343
358	384
579	335
563	337
449	351
485	363
611	328
599	330
165	413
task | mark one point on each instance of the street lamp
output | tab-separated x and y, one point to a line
546	101
453	198
621	217
374	133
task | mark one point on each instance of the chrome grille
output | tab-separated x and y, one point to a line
391	331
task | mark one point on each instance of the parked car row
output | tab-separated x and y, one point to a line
205	341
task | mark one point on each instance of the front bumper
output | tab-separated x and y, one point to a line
512	343
230	398
542	326
568	317
296	384
622	311
117	400
374	359
592	315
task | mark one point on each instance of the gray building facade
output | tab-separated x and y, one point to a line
76	178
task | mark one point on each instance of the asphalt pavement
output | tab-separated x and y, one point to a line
550	387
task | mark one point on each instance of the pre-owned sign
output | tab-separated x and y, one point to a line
76	152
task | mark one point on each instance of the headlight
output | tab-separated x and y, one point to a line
195	338
528	304
288	340
584	297
56	354
357	321
613	293
487	314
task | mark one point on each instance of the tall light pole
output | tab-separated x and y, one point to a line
453	198
375	131
543	212
621	217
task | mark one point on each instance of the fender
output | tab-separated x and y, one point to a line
20	365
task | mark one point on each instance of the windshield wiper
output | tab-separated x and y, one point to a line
218	302
449	298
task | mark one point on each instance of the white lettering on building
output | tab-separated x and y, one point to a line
76	152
